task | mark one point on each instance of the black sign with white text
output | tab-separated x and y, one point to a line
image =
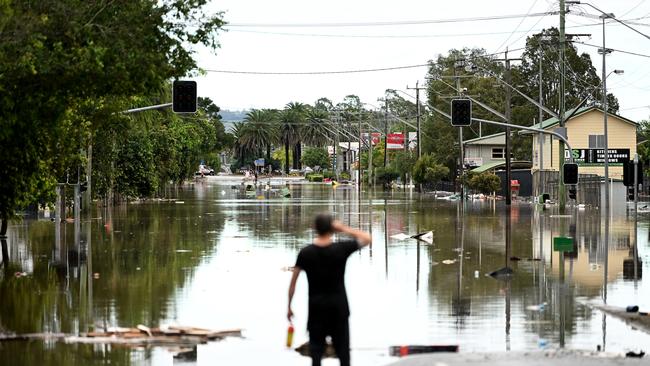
597	156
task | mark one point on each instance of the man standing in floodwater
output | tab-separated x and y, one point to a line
324	262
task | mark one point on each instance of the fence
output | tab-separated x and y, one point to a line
588	189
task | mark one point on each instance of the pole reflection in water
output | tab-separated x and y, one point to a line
370	224
508	280
606	270
5	253
386	234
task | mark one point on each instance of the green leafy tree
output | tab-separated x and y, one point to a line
56	55
427	170
403	163
485	183
316	157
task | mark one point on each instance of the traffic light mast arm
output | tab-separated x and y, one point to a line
514	126
142	109
531	129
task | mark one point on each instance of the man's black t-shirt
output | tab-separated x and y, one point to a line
325	268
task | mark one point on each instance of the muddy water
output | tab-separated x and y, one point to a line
217	258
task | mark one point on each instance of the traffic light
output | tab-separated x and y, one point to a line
630	193
184	96
628	173
461	112
572	192
570	173
83	186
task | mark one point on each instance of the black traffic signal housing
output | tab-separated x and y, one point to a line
461	112
628	173
570	174
184	96
630	193
572	192
83	186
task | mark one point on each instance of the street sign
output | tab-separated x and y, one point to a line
395	141
562	244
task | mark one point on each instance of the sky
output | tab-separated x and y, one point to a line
271	36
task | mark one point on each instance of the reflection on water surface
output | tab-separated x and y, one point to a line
219	261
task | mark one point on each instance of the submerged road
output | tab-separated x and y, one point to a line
538	358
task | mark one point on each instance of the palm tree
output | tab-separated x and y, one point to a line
260	131
237	133
317	130
293	117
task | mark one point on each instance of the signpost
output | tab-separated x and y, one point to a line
562	244
395	141
597	156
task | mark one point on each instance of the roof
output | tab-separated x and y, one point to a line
519	164
553	121
496	139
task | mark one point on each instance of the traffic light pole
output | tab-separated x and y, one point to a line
151	107
518	127
559	136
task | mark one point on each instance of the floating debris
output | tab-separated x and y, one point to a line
539	307
426	236
402	351
171	336
503	272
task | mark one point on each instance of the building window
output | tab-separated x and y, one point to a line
596	141
497	153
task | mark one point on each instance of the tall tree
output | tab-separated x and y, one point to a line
316	132
57	54
260	131
291	124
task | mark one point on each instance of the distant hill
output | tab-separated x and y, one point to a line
228	117
232	116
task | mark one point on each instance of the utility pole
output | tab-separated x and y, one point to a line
370	152
541	118
359	155
386	133
508	116
605	51
561	92
417	136
461	171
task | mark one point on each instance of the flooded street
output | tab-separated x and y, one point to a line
217	259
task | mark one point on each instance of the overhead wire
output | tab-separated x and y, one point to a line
337	71
527	32
390	23
517	27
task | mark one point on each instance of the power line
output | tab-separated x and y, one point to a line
375	35
517	27
392	23
633	8
315	72
399	36
340	71
613	49
586	15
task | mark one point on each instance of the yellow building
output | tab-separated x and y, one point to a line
585	134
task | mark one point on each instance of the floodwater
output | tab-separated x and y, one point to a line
218	259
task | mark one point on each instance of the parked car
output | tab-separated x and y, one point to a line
204	170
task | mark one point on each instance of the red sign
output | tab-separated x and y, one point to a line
376	137
395	141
